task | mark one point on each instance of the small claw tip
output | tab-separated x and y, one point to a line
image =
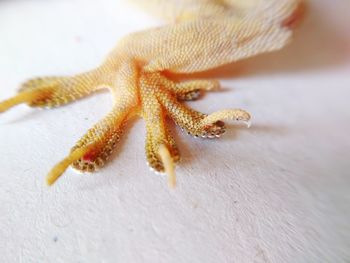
62	166
172	181
168	165
22	97
6	105
56	172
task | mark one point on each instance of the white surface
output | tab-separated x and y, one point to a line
278	192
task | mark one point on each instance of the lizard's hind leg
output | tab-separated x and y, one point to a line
49	92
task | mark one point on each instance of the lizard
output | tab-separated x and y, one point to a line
141	75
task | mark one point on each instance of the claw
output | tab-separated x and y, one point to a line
22	97
62	166
168	163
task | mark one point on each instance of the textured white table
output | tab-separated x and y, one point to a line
278	192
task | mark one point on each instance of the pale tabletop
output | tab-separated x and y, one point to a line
277	192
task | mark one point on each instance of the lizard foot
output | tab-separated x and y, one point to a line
138	72
151	95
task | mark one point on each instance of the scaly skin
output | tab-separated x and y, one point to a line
201	35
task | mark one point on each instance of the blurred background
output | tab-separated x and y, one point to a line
278	192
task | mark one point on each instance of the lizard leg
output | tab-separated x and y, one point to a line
49	92
161	150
